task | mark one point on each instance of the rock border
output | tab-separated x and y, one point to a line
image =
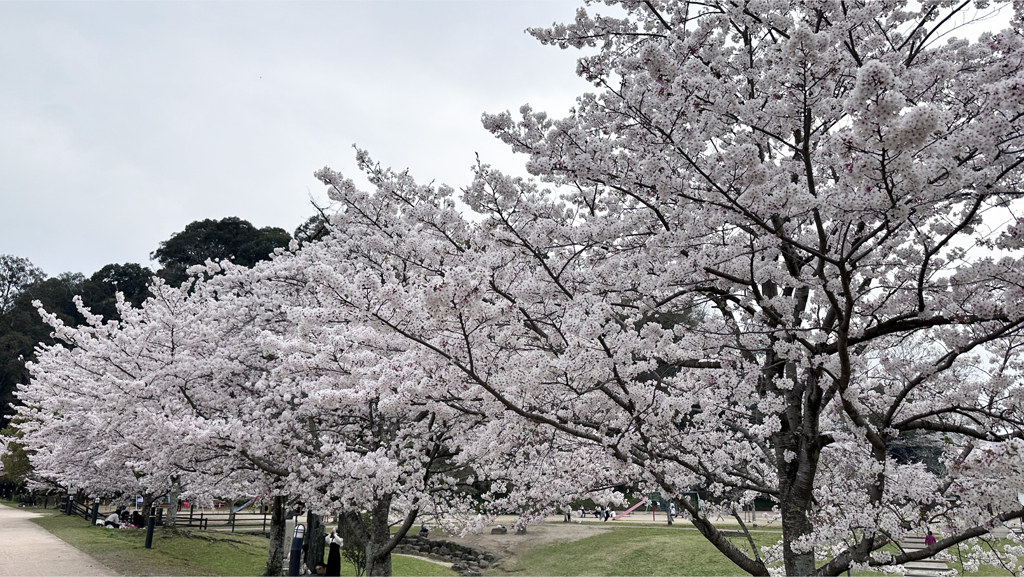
467	561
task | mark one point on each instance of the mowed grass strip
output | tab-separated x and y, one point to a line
123	550
639	551
632	551
202	553
620	551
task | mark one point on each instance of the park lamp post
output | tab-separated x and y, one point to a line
295	557
150	524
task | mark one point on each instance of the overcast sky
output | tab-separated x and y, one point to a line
122	122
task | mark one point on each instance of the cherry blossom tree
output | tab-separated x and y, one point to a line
86	419
147	404
402	236
779	257
241	384
354	433
780	248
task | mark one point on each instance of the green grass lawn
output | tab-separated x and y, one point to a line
632	551
204	553
642	551
123	550
983	570
620	551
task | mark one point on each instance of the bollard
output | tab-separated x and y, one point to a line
295	557
95	510
149	528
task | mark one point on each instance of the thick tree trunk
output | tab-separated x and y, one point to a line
314	545
796	483
373	530
378	553
377	564
172	503
794	526
275	556
147	505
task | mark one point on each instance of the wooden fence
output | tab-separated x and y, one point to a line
202	518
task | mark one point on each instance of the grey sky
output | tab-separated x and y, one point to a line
120	122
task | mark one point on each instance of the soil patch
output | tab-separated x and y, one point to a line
510	545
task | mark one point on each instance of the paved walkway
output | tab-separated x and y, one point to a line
28	549
925	567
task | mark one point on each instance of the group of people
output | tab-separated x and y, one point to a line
602	513
124	519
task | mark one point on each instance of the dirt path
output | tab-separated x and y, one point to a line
28	549
510	546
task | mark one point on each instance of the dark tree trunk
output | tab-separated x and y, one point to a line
796	455
378	552
382	541
275	556
147	504
314	545
373	531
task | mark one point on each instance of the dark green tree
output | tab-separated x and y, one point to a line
16	467
312	230
230	239
21	329
315	227
100	290
16	273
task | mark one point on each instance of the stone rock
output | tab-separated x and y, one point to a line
499	531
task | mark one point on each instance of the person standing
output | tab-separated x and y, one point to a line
334	541
929	539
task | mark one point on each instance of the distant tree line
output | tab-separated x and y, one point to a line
22	283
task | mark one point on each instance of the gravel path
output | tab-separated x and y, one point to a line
28	549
